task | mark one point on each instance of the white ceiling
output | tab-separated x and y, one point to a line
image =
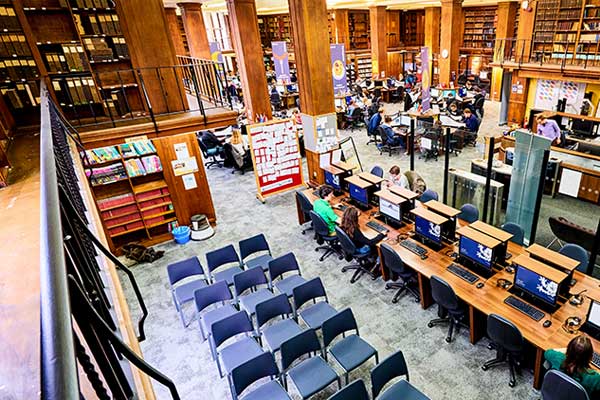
281	6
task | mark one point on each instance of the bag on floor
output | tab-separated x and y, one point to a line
140	253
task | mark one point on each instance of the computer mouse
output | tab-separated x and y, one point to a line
424	257
479	285
547	323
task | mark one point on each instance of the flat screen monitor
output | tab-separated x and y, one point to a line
593	317
536	285
390	209
434	92
359	194
428	230
582	127
338	103
378	83
333	180
476	252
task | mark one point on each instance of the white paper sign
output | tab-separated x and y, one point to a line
189	181
569	182
181	150
184	166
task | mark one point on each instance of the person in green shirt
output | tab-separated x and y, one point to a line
322	207
576	363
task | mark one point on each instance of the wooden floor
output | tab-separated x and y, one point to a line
19	274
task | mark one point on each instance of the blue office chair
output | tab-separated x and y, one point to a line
377	171
428	195
191	271
306	207
469	213
251	279
393	262
330	243
576	252
363	259
252	371
277	332
311	375
354	391
516	230
315	314
508	342
278	267
212	295
559	386
220	257
253	245
352	351
392	367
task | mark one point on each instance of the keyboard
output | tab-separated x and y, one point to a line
378	227
462	273
342	207
525	308
596	360
412	246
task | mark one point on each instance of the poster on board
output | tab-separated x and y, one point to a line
276	157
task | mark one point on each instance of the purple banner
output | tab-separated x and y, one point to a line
425	80
215	52
338	69
281	61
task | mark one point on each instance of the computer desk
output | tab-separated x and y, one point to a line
487	300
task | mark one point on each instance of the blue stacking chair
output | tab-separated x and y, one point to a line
517	232
377	171
252	371
315	314
351	351
354	391
559	386
576	252
184	292
278	267
392	367
251	246
220	257
311	375
251	279
280	331
469	213
217	293
428	195
237	352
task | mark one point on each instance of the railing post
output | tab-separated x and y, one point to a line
197	90
488	179
139	72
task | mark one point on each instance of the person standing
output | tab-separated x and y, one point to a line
548	128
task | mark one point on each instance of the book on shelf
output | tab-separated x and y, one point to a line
102	154
161	193
107	174
143	147
124	200
127	150
135	167
8	18
151	164
13	45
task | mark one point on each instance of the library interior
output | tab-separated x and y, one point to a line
294	199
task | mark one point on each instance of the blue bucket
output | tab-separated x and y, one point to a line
181	234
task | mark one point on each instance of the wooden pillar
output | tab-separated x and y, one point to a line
377	17
451	33
518	99
342	27
313	62
505	28
195	30
525	32
249	54
433	17
150	46
173	24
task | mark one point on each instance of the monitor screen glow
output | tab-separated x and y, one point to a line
358	194
389	209
594	314
332	180
536	285
476	252
428	229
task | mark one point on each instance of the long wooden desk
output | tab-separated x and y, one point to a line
487	300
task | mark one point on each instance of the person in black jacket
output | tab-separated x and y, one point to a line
350	226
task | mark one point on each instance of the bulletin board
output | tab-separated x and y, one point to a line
276	157
320	132
549	91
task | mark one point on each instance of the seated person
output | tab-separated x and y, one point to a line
548	128
398	179
210	140
375	121
416	182
453	110
391	137
350	226
351	106
576	363
449	100
239	148
322	207
297	118
470	120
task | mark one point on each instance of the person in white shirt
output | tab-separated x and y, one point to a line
397	178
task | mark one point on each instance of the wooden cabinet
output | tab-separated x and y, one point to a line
589	188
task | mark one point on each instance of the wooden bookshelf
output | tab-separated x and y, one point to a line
412	28
359	30
183	36
479	28
393	29
273	28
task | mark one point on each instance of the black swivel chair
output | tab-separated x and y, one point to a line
478	106
276	102
448	304
350	253
306	207
393	262
355	120
558	386
508	341
211	155
330	243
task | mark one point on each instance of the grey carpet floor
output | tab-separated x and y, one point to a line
439	369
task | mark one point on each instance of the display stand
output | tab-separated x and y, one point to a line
276	157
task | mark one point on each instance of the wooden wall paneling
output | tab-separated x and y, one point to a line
505	27
378	19
316	176
195	29
186	202
393	28
393	64
525	31
589	188
432	28
342	27
518	101
450	39
173	24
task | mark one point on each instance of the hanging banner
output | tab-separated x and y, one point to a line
215	52
281	61
338	69
425	80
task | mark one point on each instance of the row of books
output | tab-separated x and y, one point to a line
115	201
154	203
161	193
569	14
92	3
21	95
121	211
591	13
75	57
120	47
108	174
18	69
13	45
8	18
105	24
98	49
143	147
76	91
146	165
166	209
123	220
102	154
134	226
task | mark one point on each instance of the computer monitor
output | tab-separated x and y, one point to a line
358	194
333	180
378	83
390	210
582	127
428	230
478	253
339	103
593	316
536	285
434	92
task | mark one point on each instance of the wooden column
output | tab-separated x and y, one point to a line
433	17
195	30
451	33
518	99
150	46
249	54
377	17
313	62
505	28
342	27
173	24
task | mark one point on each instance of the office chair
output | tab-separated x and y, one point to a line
478	107
211	155
354	391
448	302
363	259
428	195
516	230
386	144
372	132
330	245
377	171
275	101
246	374
578	253
354	120
559	386
393	262
392	367
433	137
508	342
189	270
469	213
306	207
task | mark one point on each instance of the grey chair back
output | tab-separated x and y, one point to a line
443	294
348	246
392	260
504	333
319	224
559	386
517	232
576	252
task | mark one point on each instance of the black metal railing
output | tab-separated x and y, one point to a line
206	80
78	325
